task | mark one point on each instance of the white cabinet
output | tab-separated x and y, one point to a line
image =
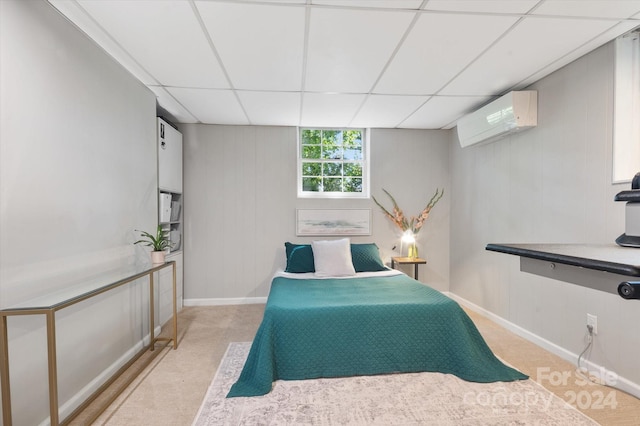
169	158
170	182
170	202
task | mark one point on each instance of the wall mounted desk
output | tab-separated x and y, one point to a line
49	304
599	266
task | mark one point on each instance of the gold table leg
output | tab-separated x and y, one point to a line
4	372
175	310
152	337
53	367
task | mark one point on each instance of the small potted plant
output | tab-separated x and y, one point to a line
159	243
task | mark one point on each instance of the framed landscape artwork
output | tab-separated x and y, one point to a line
333	222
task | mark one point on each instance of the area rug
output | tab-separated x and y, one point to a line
391	399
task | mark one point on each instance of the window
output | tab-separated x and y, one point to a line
626	133
333	163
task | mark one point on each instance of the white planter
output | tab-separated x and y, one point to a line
157	257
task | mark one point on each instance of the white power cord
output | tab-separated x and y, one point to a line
583	372
580	370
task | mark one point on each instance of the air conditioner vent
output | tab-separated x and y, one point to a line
513	112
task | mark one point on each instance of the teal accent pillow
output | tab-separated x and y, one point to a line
299	258
366	258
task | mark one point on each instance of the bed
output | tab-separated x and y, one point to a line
366	323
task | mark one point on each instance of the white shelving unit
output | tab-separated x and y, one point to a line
170	217
170	214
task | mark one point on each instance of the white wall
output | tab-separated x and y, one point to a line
240	204
551	184
77	176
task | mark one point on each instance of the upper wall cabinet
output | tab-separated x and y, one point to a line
169	158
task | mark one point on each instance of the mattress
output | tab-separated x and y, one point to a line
372	324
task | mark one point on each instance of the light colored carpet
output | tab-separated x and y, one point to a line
394	399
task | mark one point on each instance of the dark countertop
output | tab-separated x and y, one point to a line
601	257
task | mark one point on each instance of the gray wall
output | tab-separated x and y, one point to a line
240	204
77	176
551	184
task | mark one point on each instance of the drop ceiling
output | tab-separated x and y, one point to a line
343	63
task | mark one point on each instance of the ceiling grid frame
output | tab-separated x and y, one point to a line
215	52
407	31
504	34
98	23
305	47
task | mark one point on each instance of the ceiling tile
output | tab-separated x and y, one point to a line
482	6
348	49
271	108
171	105
386	111
298	2
260	46
441	111
529	47
424	63
384	4
164	37
329	110
211	106
461	51
593	44
620	9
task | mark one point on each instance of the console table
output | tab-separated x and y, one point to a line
49	304
598	266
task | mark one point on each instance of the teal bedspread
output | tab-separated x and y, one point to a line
363	326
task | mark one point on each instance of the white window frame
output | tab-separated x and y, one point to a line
626	125
365	167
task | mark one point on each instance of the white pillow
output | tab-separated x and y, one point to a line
332	258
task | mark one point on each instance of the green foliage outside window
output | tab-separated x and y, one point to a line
332	160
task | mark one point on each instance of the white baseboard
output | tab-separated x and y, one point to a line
225	301
621	383
67	408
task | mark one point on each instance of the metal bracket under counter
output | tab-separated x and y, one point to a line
601	267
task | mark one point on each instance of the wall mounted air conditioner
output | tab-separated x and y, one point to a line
513	112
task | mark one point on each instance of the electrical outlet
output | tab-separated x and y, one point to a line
592	320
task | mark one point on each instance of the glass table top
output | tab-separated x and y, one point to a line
83	287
